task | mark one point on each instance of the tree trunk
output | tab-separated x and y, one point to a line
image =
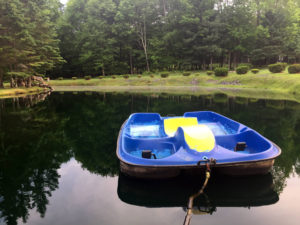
229	60
131	66
211	61
28	83
103	72
1	79
234	60
143	37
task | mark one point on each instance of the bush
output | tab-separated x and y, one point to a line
146	73
74	78
126	76
100	77
214	66
151	75
209	72
139	76
242	70
186	74
249	65
87	77
221	72
113	77
164	75
295	68
60	78
255	71
276	68
197	74
283	65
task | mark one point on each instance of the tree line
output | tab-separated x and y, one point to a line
131	36
100	37
28	39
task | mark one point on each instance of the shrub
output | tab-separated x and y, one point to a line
283	65
126	76
255	71
60	78
197	74
221	72
295	68
146	73
164	75
249	65
74	78
242	69
100	77
209	72
139	76
151	75
186	74
87	77
113	77
214	66
276	68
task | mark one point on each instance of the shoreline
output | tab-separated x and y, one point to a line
254	93
21	92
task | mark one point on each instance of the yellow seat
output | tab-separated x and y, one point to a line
171	125
198	137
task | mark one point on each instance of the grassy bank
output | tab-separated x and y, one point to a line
281	82
16	92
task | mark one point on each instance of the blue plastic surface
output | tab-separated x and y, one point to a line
145	131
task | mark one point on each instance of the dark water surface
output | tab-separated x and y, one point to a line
58	164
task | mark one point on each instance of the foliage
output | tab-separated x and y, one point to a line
100	77
87	77
164	75
126	76
74	78
132	36
186	74
28	38
249	65
276	68
113	77
139	76
60	78
242	69
255	71
221	72
209	72
295	68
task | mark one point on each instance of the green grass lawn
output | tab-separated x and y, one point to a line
282	82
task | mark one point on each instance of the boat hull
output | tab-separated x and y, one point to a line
162	172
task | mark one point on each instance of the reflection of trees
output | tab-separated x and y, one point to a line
35	141
32	149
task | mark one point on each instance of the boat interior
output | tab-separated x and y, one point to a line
148	135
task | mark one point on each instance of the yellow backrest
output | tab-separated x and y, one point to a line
199	137
171	125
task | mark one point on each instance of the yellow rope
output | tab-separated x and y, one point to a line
188	216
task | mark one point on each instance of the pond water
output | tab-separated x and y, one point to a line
58	163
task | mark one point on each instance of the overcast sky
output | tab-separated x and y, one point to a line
63	1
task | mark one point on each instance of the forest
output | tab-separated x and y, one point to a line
103	37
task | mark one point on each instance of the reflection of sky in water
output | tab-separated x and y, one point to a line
85	198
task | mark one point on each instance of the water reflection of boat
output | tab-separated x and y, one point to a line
222	191
151	146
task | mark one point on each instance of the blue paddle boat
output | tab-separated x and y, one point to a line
151	146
